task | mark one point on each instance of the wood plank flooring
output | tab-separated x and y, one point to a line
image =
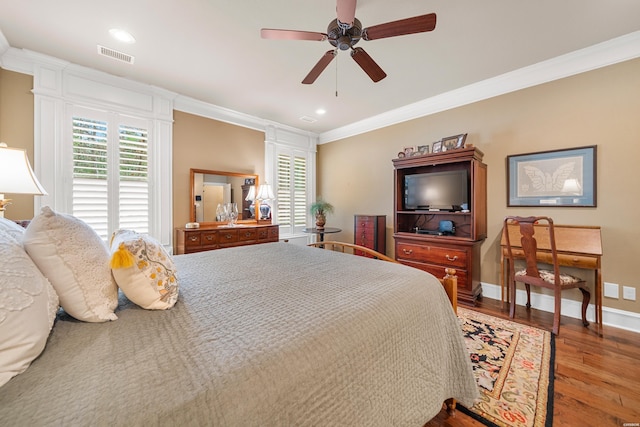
597	372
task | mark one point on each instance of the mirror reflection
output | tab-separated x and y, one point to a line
210	189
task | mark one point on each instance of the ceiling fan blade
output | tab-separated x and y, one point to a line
269	33
417	24
368	64
319	67
346	11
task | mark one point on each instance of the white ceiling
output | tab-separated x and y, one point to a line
211	50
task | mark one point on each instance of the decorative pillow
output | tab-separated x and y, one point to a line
76	261
143	270
28	306
12	228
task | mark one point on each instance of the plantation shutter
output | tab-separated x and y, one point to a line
110	176
134	179
291	189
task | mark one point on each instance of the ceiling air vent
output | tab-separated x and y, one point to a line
105	51
308	119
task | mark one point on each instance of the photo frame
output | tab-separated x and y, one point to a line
423	149
563	178
436	147
409	151
453	142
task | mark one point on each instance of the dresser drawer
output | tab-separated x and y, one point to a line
208	238
246	234
192	239
438	271
439	255
226	237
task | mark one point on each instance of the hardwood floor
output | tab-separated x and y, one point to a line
597	372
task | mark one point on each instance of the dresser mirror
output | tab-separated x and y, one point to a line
212	188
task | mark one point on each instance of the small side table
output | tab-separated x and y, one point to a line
321	231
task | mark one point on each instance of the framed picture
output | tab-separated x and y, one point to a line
423	149
437	147
553	178
409	151
453	142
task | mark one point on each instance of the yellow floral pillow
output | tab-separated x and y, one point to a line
143	270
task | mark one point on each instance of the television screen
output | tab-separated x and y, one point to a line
437	190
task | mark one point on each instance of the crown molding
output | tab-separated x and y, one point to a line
611	52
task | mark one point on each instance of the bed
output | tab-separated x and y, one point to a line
267	335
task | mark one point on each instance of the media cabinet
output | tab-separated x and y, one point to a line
460	250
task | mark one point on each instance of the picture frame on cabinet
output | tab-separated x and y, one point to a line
423	149
453	142
555	178
409	151
436	147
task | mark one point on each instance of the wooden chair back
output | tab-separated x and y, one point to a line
529	245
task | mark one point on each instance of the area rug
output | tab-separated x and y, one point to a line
513	366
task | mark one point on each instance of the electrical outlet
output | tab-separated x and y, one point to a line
611	290
629	293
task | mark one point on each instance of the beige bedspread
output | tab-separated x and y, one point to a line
266	335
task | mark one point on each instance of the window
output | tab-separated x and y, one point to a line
291	191
110	173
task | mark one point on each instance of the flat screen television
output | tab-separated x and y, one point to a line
446	191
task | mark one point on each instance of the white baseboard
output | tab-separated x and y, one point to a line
610	316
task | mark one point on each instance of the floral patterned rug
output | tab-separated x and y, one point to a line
513	365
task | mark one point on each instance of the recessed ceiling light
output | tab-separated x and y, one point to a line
321	111
122	35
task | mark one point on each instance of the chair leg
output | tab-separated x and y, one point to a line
512	301
586	297
528	288
557	311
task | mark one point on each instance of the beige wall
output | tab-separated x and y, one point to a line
202	143
601	107
16	130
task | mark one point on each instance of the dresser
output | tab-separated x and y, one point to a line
370	231
189	240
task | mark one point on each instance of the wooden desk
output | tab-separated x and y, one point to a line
577	246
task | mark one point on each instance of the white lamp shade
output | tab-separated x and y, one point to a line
265	192
252	194
16	175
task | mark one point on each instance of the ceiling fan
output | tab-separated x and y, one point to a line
346	30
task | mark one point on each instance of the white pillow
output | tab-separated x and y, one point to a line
76	261
15	230
28	306
143	270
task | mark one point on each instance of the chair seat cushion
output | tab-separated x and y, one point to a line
548	276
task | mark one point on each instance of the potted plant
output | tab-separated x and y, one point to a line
319	209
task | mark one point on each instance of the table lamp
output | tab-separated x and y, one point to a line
265	194
16	175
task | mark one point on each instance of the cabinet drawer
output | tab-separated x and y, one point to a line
432	254
247	234
192	239
274	233
208	238
227	236
365	240
438	271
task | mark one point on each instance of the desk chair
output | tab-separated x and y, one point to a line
531	275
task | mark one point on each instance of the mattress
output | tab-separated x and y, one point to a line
266	335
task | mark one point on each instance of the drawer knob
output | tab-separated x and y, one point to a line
209	238
228	236
247	234
450	258
193	238
407	251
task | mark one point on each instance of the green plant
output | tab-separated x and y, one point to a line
320	207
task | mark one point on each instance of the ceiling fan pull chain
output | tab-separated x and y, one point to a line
337	60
